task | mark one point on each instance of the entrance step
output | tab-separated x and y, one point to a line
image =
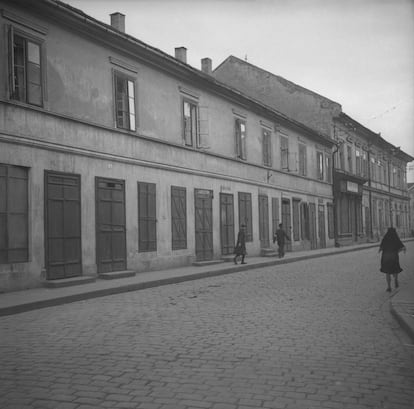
268	252
207	263
117	274
67	282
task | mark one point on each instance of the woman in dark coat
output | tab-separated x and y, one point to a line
390	246
240	248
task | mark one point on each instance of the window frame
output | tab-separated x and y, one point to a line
127	78
267	147
27	38
240	138
320	168
194	122
284	152
302	153
10	211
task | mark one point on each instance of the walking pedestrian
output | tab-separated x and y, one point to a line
240	248
390	246
279	237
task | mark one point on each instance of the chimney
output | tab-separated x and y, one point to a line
181	54
206	65
118	21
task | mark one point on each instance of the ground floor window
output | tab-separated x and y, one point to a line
147	222
13	214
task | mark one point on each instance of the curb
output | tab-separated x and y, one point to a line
81	296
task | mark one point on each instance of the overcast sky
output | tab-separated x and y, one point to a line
359	53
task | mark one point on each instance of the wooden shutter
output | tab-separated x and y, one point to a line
178	218
295	205
147	217
203	128
245	214
238	138
275	215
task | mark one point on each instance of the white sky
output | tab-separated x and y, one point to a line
359	53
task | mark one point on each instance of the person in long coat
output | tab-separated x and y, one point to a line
240	248
390	246
279	237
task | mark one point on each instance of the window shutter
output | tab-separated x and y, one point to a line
292	164
147	222
178	218
12	84
203	128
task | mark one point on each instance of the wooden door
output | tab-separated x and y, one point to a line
312	226
226	223
321	226
263	221
110	225
275	215
203	224
62	225
287	226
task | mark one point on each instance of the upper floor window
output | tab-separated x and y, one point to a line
341	157
328	168
267	148
125	102
349	158
284	152
319	166
302	160
26	69
358	158
190	123
240	139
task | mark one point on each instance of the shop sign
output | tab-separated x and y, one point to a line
352	187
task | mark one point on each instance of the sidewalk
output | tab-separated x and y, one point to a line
401	303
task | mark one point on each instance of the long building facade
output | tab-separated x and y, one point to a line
369	173
116	156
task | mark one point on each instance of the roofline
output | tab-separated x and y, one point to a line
375	137
275	76
177	67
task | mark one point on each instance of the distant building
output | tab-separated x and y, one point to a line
411	211
369	178
116	156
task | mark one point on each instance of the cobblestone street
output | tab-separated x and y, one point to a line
307	335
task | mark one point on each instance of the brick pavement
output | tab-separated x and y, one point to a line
309	334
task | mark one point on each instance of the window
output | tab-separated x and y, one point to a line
328	167
302	160
240	139
147	222
178	217
26	69
319	166
331	230
245	214
358	168
341	157
125	102
13	214
349	158
295	207
267	148
190	123
284	152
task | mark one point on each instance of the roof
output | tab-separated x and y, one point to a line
77	19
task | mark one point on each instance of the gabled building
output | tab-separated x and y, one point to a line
115	156
369	177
